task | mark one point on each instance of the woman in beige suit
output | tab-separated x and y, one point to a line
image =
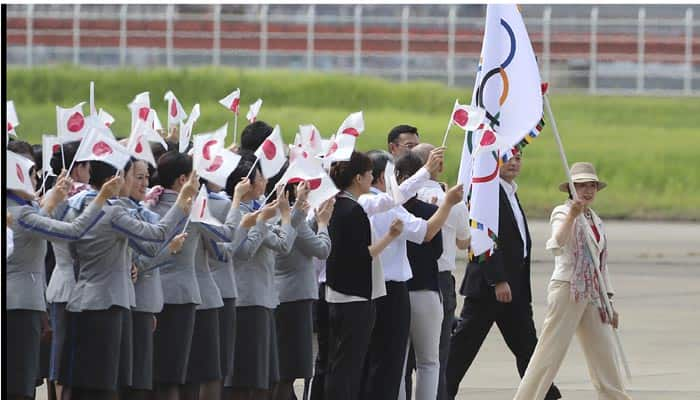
575	297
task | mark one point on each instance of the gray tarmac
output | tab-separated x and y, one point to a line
655	268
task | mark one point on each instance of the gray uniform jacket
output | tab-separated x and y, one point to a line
102	255
147	288
26	271
295	276
254	260
185	276
220	263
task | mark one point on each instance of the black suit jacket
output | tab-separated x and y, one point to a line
506	263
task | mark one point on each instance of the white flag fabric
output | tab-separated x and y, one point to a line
139	108
175	111
271	153
50	144
254	111
311	139
200	209
17	170
186	129
343	142
297	150
138	144
99	147
232	101
12	120
353	125
508	85
211	160
467	117
71	123
105	118
392	185
321	186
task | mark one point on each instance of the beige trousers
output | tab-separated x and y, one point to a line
564	318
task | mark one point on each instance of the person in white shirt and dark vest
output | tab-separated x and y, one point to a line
498	290
576	296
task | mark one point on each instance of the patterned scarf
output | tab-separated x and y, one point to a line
584	281
153	196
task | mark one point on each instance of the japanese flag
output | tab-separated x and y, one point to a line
49	145
271	153
297	149
186	128
140	107
12	120
71	123
18	176
157	126
489	141
321	186
105	118
232	101
253	111
99	147
343	144
392	185
138	144
353	125
175	111
311	139
467	117
211	160
200	209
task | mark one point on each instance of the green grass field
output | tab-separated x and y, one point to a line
644	147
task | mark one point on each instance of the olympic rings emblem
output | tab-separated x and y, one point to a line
501	71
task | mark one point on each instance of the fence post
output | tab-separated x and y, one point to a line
310	37
216	54
640	49
404	43
688	78
76	34
593	67
357	40
30	33
169	17
123	12
263	35
451	33
546	42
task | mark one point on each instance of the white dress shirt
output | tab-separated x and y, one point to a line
456	226
510	189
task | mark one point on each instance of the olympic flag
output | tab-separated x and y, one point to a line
507	86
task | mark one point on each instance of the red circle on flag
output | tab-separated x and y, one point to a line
173	108
333	149
9	127
488	138
101	149
460	117
351	132
55	148
234	105
269	149
205	149
20	174
313	183
143	113
139	146
75	122
218	162
312	138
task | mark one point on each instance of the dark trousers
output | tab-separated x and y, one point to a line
387	349
321	327
449	304
349	333
514	320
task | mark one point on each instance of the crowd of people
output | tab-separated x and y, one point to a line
112	293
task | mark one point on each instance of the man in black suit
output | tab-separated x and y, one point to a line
498	290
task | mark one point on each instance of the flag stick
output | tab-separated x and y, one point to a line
268	196
235	127
253	167
63	157
92	98
589	234
186	225
449	125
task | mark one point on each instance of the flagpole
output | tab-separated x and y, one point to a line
449	125
253	167
235	127
63	157
572	190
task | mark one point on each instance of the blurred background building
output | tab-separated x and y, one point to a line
618	49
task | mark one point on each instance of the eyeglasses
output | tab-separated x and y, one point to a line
408	145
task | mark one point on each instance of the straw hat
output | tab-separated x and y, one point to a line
583	172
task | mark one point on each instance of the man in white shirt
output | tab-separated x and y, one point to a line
455	235
497	290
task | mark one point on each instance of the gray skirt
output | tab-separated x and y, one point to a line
57	312
142	376
23	333
227	335
172	343
256	365
294	323
205	365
